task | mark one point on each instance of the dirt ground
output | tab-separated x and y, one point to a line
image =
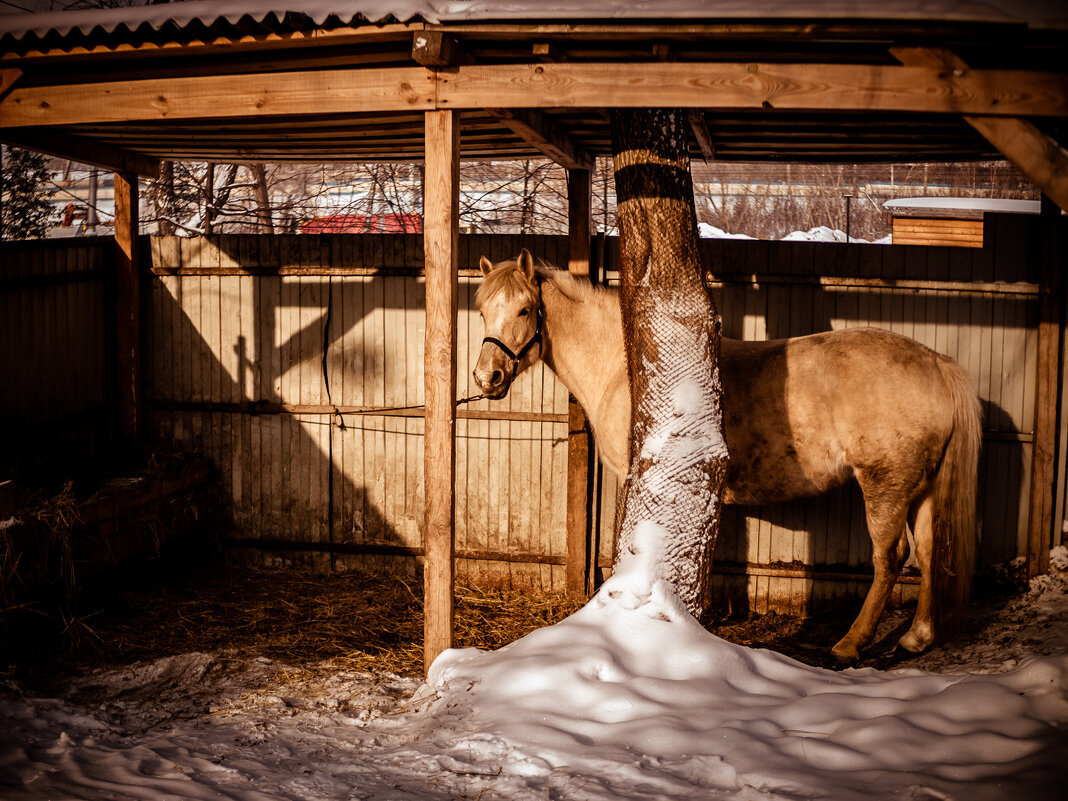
363	622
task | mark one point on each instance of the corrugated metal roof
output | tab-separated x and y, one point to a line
176	18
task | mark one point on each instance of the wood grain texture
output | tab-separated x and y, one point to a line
441	233
752	85
569	85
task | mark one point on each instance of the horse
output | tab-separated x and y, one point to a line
801	416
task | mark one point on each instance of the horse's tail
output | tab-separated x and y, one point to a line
954	523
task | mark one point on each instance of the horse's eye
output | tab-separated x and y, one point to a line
524	312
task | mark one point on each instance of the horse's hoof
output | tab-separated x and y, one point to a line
916	642
845	655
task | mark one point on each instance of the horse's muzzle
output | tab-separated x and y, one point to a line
494	383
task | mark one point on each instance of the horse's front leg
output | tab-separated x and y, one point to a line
890	549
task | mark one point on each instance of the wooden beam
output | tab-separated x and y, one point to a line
216	96
8	78
1043	453
127	307
547	51
579	188
701	134
440	243
818	87
1038	156
84	151
247	43
826	87
436	49
536	131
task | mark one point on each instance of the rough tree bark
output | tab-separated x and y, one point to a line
672	332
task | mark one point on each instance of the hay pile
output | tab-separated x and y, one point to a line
345	621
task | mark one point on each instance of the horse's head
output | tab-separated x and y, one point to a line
510	303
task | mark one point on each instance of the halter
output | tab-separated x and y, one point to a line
516	358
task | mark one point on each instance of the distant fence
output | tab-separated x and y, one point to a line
295	364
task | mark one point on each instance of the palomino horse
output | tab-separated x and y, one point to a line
801	416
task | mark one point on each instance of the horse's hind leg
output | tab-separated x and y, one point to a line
921	634
890	548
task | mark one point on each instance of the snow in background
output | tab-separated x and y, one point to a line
609	704
820	233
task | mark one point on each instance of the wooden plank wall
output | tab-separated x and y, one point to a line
238	328
937	231
255	340
56	360
978	306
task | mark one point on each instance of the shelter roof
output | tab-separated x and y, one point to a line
815	80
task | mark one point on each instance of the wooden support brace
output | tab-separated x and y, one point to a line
536	131
701	134
8	78
579	186
1037	156
84	151
127	307
440	243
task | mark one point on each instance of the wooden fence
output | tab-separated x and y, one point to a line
56	366
295	363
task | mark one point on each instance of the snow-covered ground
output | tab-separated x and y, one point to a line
609	704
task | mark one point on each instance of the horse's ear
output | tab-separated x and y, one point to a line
485	265
526	264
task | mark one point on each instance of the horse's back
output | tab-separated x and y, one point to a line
819	408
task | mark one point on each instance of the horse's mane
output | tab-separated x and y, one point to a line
507	277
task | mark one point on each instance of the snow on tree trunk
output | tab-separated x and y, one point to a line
672	332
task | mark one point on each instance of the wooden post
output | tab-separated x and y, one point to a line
579	185
127	308
440	239
1040	520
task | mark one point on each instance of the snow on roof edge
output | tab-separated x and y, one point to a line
966	204
1038	13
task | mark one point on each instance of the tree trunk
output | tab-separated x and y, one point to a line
672	333
209	199
263	198
163	199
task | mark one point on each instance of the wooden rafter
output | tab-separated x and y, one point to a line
815	87
536	131
84	151
701	134
8	78
1040	158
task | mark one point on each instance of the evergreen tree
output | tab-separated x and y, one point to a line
27	211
